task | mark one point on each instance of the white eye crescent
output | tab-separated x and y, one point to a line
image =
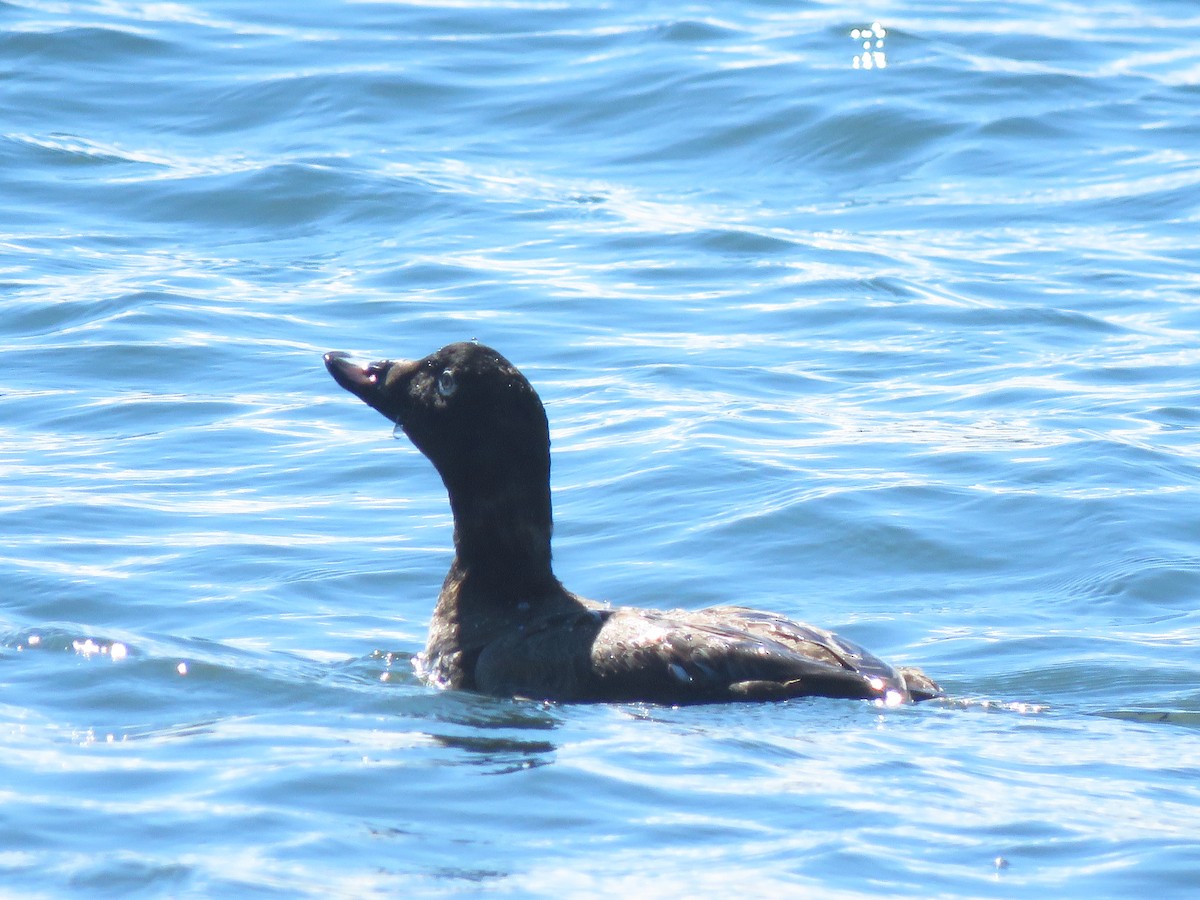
446	385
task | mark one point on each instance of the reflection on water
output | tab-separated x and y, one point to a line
872	55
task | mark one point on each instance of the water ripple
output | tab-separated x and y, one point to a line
905	349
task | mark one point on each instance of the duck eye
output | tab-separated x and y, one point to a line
446	385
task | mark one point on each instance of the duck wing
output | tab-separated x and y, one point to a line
732	653
723	654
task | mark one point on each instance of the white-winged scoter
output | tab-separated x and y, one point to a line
504	625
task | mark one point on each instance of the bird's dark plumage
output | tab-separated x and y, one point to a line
504	625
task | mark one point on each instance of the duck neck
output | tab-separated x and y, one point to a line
502	542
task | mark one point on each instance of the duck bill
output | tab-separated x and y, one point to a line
368	381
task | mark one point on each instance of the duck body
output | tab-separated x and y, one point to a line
504	625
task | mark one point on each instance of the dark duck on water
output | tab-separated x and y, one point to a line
504	625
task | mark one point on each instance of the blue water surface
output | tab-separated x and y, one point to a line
884	317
